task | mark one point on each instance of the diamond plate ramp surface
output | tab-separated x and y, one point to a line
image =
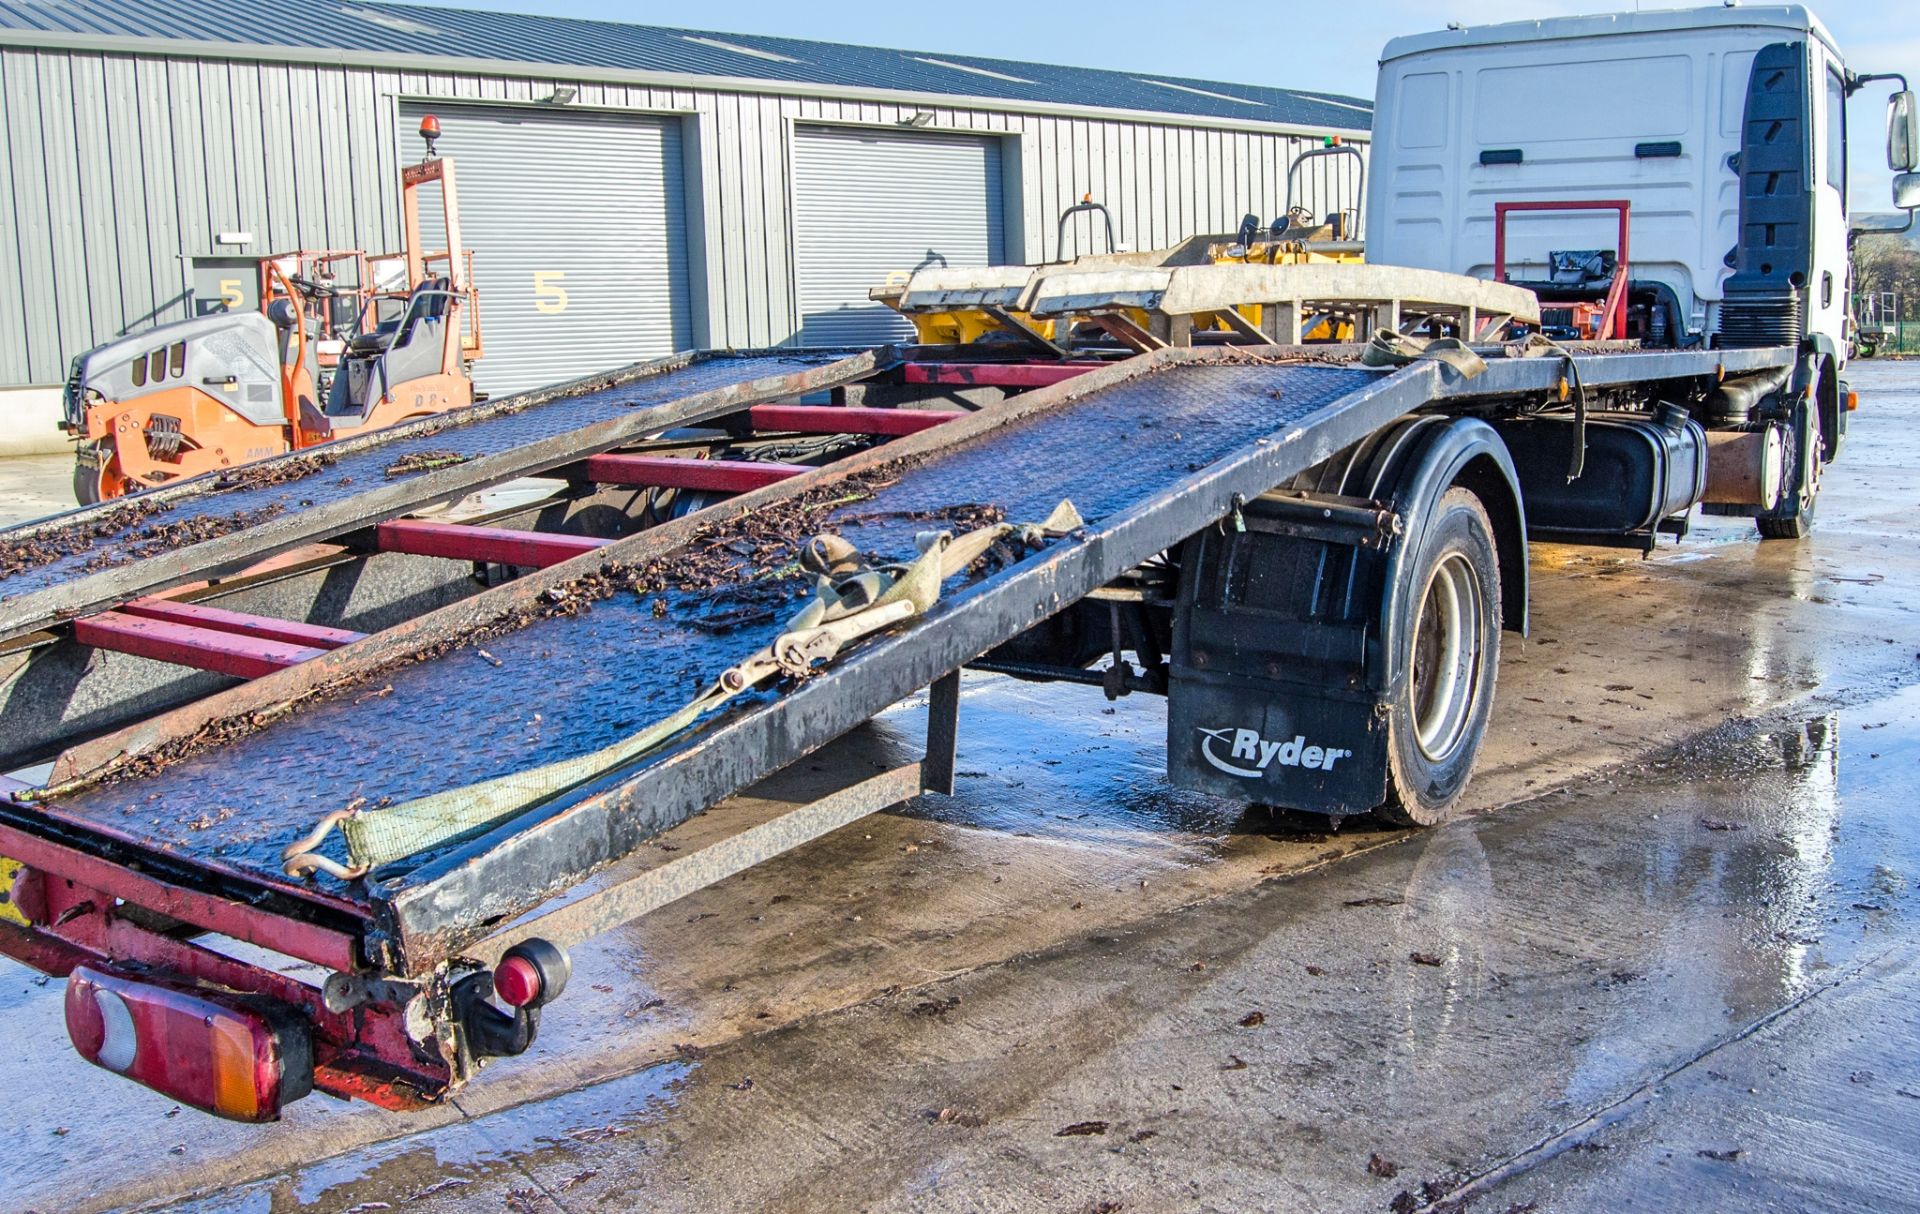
491	430
569	684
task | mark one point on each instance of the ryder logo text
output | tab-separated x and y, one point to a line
1248	755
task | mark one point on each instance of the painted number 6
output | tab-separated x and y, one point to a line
548	295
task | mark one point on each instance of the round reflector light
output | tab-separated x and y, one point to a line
517	982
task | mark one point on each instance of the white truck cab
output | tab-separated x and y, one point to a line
1723	129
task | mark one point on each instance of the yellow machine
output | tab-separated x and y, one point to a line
963	325
331	352
1297	237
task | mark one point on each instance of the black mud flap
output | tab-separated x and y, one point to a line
1265	742
1280	677
1277	691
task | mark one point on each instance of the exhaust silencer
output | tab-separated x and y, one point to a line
1745	467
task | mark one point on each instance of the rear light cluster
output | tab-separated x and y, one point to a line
222	1056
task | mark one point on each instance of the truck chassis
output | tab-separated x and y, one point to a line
146	834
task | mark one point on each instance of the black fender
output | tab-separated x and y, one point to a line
1320	683
1467	452
1836	433
1811	391
1823	362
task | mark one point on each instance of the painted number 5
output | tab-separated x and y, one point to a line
548	295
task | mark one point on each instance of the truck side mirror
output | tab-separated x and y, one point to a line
1906	191
1903	133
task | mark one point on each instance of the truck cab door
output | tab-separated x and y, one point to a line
1827	282
1771	297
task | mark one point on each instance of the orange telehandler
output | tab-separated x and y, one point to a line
331	352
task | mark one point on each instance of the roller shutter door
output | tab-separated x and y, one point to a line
577	224
870	204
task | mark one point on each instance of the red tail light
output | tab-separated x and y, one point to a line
231	1060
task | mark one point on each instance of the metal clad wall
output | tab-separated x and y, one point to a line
871	206
19	240
578	225
52	129
123	168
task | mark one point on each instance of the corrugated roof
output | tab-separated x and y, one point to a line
350	27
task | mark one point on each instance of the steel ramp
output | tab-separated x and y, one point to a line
202	798
1149	451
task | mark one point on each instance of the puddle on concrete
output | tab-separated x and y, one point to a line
20	986
1087	771
1776	855
464	1152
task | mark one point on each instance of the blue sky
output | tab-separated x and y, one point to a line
1294	46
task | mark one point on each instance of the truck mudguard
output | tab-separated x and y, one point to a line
1284	641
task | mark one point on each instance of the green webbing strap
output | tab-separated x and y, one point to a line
852	601
1538	345
1390	349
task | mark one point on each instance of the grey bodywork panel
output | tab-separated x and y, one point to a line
241	346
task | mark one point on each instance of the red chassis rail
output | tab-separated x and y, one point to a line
998	375
459	542
848	419
1613	313
208	638
664	472
67	908
244	657
241	623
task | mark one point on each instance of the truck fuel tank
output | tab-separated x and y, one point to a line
1639	470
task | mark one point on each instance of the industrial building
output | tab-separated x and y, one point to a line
627	190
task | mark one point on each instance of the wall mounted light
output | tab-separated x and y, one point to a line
563	95
921	118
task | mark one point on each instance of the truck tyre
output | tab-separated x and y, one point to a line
1451	626
1793	518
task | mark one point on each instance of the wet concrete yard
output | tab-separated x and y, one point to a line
1667	962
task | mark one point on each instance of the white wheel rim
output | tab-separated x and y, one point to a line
1446	657
1810	458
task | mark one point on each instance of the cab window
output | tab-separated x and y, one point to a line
1836	132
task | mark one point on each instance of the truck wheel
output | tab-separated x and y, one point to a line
1451	631
1793	519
